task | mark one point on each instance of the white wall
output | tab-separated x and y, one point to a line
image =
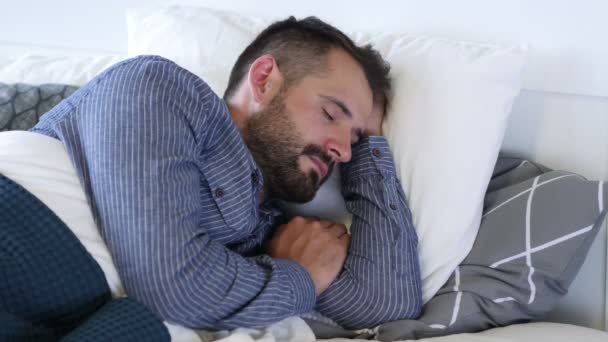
573	59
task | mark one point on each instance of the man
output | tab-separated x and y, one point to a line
183	184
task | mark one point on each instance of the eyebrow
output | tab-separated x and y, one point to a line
339	103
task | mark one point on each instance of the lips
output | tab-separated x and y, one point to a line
320	165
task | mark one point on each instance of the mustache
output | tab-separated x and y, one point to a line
314	150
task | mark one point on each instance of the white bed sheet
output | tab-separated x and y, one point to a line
295	330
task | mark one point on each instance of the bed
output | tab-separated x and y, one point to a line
545	112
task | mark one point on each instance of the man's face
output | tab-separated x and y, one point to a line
306	130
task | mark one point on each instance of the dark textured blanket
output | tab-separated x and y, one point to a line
51	288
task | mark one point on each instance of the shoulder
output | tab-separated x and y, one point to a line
158	90
158	76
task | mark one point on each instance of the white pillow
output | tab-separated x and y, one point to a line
206	42
72	70
445	124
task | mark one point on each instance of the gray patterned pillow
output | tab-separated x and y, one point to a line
21	105
536	230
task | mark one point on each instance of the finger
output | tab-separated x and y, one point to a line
323	223
345	240
337	230
326	224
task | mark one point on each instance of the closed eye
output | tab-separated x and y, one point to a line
327	115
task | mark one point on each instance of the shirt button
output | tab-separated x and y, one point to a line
219	193
255	178
392	206
376	152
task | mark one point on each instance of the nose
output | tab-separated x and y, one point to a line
339	149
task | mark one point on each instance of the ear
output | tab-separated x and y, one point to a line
264	80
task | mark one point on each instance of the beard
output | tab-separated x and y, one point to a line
277	146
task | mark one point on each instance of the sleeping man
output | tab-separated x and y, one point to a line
184	185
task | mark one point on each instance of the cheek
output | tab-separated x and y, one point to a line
308	132
310	125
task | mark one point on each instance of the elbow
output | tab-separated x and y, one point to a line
369	305
412	307
170	311
171	303
386	306
405	301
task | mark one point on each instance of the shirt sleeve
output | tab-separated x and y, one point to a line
143	128
381	277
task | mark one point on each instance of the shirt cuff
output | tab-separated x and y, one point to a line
303	287
370	157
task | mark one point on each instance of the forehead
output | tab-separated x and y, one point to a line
343	80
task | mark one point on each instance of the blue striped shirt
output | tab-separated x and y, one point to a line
175	193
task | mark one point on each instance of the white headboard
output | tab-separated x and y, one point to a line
560	119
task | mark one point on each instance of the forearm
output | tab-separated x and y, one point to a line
381	278
219	289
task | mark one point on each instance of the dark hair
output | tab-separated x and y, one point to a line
299	48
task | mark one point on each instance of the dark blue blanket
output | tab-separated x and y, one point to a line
51	288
